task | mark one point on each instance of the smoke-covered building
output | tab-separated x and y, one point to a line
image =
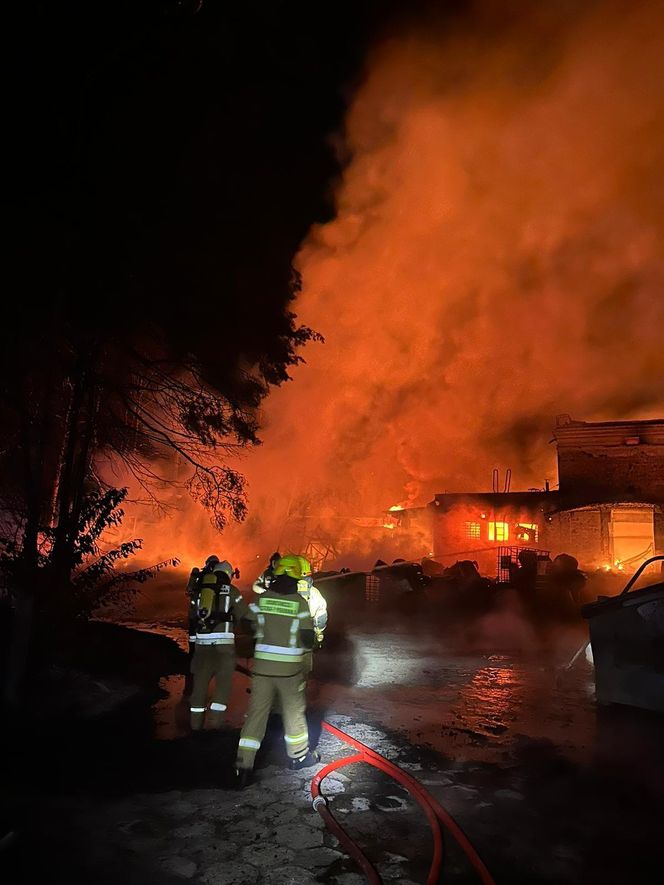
607	511
488	526
609	458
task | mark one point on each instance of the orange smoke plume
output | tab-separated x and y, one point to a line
496	259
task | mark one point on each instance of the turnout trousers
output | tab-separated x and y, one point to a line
307	667
189	678
265	690
211	662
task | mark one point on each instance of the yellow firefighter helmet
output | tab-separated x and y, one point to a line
294	566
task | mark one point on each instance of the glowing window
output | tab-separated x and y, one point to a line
527	531
499	531
472	530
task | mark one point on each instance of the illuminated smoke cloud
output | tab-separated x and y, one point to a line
496	259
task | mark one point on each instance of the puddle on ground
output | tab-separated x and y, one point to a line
470	706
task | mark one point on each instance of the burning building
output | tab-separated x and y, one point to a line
608	509
487	526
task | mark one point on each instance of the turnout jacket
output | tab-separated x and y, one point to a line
317	606
283	630
313	596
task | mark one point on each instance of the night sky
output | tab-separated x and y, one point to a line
167	163
448	177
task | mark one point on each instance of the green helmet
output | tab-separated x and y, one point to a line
294	566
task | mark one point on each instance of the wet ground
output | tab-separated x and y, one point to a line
470	705
548	787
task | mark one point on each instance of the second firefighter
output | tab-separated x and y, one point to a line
284	632
218	605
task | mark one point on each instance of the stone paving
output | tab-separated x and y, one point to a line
267	834
549	789
543	820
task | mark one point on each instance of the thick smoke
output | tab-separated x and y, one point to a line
496	259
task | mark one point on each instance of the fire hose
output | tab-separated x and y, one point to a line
433	810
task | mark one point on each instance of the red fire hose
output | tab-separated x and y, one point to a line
433	810
320	805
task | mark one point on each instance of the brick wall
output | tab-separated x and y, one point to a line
581	533
613	473
585	534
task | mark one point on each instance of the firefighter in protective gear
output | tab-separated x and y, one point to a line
190	592
318	610
192	586
262	582
299	567
284	631
218	605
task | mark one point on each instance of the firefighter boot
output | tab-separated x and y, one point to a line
197	718
243	777
310	758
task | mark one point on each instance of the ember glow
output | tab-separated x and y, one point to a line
496	259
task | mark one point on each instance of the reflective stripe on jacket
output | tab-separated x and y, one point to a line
317	605
215	639
222	633
315	599
283	629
